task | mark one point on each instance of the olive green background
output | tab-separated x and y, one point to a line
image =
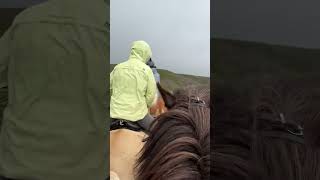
55	63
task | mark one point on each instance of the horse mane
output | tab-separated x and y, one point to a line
231	136
312	133
241	151
178	146
312	124
280	158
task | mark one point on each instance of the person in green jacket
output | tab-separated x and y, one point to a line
133	87
53	59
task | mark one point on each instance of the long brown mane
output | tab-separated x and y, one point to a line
251	141
284	155
178	146
231	143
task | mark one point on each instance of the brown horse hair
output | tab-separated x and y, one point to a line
232	139
312	133
277	157
178	146
241	151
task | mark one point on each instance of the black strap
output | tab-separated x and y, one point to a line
283	135
124	124
283	129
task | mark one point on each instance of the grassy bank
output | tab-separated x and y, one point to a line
172	81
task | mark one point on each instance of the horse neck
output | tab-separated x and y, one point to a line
158	155
158	106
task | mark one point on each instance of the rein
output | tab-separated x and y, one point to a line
284	130
196	101
282	135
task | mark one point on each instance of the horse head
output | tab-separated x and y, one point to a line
178	146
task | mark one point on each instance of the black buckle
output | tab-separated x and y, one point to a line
121	123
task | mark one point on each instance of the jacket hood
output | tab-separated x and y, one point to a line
140	50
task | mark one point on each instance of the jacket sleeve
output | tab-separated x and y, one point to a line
4	59
151	88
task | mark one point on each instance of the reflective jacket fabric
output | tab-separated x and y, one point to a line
133	86
54	59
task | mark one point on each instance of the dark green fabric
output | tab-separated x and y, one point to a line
55	60
3	101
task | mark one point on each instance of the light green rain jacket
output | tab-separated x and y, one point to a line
132	84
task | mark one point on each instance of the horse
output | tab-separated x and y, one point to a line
127	161
126	144
264	139
178	145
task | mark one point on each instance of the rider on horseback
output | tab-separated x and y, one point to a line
153	67
133	88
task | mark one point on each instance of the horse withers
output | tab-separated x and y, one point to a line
126	143
178	145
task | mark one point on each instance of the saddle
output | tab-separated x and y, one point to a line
124	124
